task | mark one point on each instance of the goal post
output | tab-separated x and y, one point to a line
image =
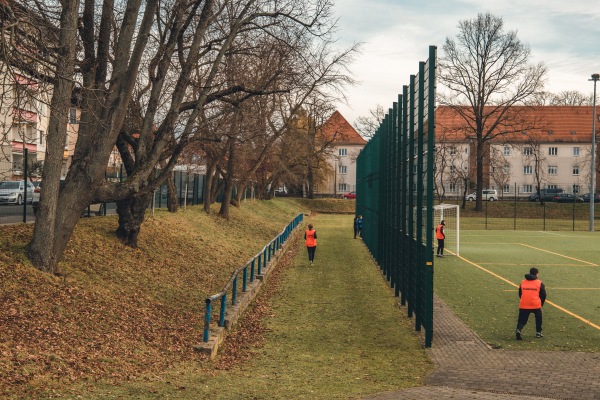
450	213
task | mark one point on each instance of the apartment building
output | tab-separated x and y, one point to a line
545	146
346	144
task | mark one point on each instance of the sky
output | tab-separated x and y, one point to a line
396	35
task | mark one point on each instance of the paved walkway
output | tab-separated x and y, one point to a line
466	368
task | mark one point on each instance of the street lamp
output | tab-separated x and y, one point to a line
595	78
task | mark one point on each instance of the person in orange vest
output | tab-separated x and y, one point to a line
440	236
310	236
532	293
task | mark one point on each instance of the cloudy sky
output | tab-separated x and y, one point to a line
564	34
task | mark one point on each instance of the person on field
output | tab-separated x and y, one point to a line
358	223
532	293
440	236
310	237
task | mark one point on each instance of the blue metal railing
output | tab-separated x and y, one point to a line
260	262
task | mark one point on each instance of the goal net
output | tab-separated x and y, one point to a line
450	214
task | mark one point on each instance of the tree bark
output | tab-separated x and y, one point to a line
224	211
172	200
131	213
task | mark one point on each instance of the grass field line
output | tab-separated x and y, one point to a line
531	264
590	323
560	255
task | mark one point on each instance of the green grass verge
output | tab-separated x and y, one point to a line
334	333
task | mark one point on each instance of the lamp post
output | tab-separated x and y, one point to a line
595	78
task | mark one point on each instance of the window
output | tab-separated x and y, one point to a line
575	151
506	169
41	137
342	152
553	151
452	169
527	170
72	116
506	151
575	169
343	187
453	188
528	151
575	188
342	169
552	170
506	188
552	187
527	188
452	150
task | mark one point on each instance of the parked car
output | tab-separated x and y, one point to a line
567	198
351	195
546	194
586	198
489	194
13	192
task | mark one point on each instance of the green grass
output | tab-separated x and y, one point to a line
569	265
334	333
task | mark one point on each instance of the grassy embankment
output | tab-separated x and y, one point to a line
122	322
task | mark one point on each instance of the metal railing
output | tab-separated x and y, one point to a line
256	264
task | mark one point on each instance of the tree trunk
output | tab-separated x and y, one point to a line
131	215
53	229
224	211
479	178
172	200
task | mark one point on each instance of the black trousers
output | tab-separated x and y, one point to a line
524	316
311	253
440	249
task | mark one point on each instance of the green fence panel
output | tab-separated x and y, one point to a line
395	195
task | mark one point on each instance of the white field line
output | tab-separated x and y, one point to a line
560	255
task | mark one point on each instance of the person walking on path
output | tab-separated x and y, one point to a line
532	293
310	237
440	236
358	223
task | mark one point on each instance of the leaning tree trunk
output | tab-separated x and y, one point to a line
172	200
131	215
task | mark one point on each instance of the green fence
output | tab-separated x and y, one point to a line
395	182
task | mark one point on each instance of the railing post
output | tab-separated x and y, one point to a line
265	258
245	279
223	307
259	272
252	270
234	291
207	320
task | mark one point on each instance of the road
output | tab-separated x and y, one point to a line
13	214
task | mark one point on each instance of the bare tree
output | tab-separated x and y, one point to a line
367	125
486	72
570	98
147	73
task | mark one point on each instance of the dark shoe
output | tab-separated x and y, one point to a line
539	334
519	337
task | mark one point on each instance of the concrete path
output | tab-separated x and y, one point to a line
466	368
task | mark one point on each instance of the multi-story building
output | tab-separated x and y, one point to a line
346	144
543	146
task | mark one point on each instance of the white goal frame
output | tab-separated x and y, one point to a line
450	213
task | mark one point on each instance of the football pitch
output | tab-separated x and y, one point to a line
481	286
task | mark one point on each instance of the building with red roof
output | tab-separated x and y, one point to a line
345	146
549	145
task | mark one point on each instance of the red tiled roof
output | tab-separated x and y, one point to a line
544	123
340	130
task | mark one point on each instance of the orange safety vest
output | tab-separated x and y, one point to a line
310	238
530	294
438	232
